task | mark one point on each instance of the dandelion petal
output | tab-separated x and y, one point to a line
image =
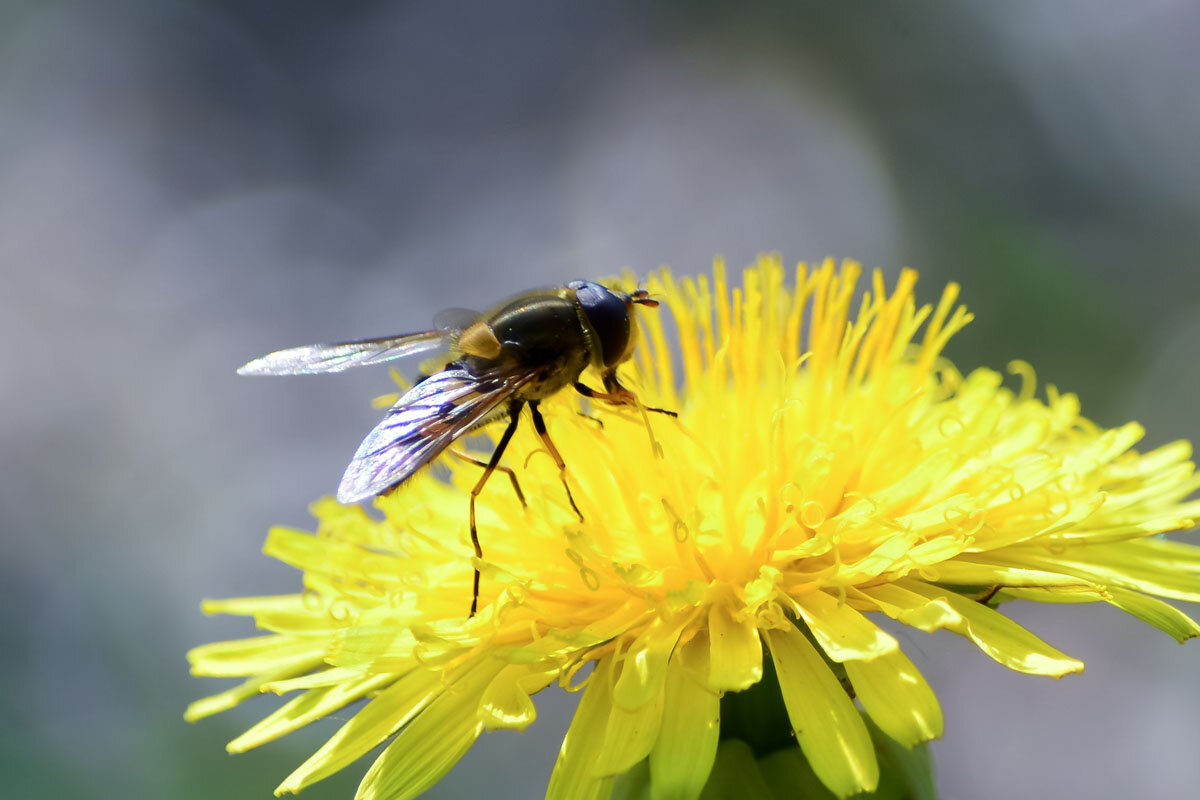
687	742
308	707
432	743
997	635
962	572
645	667
231	697
506	702
828	727
249	656
843	633
1132	565
736	651
389	709
896	696
1164	616
629	736
573	777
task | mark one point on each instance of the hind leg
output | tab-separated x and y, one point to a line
514	416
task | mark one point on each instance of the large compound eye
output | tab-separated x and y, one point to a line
608	313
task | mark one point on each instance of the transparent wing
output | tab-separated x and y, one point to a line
422	424
314	358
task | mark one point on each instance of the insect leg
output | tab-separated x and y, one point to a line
512	476
539	425
615	393
514	411
613	386
621	397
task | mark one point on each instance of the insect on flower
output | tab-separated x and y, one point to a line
527	349
831	470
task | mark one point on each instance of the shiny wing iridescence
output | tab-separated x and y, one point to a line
422	424
314	358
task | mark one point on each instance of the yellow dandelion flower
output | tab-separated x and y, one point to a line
825	466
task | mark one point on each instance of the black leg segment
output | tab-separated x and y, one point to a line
514	414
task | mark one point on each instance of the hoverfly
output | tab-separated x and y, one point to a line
526	350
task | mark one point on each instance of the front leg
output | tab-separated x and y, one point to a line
622	398
616	394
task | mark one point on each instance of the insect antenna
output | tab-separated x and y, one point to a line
642	298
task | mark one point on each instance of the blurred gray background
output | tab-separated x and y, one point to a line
186	185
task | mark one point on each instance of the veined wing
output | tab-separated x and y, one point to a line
422	424
313	358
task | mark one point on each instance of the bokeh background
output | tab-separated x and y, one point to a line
185	185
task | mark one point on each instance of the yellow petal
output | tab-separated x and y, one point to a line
995	634
1061	596
736	651
308	707
1166	553
375	648
1167	618
828	727
389	709
687	741
250	688
250	656
896	696
1164	616
909	608
645	666
1139	566
629	735
573	777
980	573
507	703
843	633
315	680
431	744
249	606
